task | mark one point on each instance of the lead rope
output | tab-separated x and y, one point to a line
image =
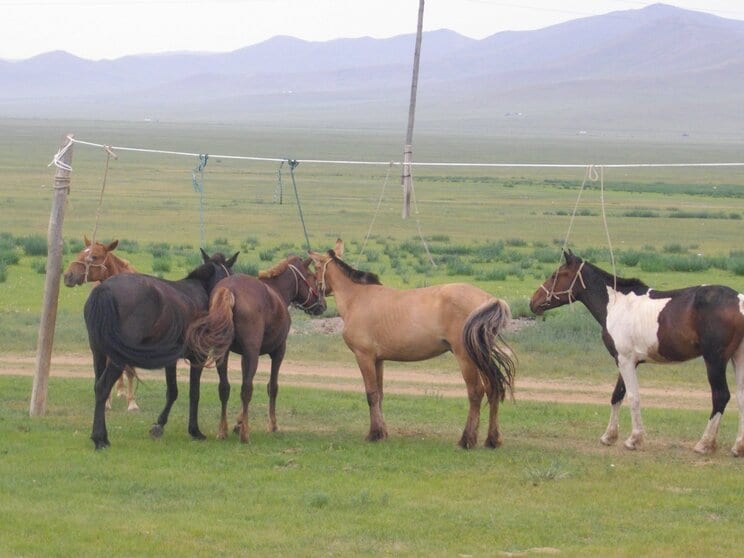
109	154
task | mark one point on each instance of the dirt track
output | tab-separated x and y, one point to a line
412	382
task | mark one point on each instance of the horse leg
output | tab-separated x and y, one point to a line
738	360
720	396
104	383
195	373
249	363
171	394
273	386
630	379
618	394
224	391
131	377
476	390
369	367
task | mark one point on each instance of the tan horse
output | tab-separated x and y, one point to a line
381	323
95	263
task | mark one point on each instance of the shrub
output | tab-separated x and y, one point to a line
33	245
3	272
247	267
161	265
674	249
159	249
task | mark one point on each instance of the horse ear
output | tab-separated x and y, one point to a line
231	262
339	248
112	246
205	257
306	262
86	240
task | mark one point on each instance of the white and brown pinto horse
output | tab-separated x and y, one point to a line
93	264
381	323
640	324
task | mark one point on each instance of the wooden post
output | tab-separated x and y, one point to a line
408	150
63	160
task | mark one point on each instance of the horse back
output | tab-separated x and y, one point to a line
260	315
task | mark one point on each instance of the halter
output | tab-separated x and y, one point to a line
310	290
552	294
87	265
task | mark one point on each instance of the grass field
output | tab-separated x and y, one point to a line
316	488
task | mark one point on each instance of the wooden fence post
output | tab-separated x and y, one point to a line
55	246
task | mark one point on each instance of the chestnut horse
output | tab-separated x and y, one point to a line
249	316
140	320
640	324
95	263
381	323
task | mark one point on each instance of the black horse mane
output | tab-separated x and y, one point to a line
361	277
623	285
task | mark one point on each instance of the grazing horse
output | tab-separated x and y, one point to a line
382	323
640	324
141	320
95	263
249	316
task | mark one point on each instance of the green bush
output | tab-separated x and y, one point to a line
33	245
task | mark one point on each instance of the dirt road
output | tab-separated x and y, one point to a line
401	381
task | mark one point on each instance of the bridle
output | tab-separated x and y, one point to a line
87	264
553	294
311	292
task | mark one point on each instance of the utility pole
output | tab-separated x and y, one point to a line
408	148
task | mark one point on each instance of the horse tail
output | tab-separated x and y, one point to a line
209	337
487	348
102	320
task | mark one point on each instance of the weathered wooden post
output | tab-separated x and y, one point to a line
63	161
408	149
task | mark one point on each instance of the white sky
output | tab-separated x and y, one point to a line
96	29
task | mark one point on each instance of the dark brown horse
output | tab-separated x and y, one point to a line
249	316
382	324
640	324
139	320
97	262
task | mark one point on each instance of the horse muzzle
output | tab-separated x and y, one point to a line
73	279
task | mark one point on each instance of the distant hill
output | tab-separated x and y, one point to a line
656	71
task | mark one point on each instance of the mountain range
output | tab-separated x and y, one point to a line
655	71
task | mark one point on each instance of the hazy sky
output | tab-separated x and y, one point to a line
98	29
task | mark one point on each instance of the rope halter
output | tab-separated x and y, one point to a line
553	294
88	263
311	292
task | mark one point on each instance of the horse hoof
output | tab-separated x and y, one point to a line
608	440
492	444
632	444
156	431
376	436
236	428
101	444
197	435
737	451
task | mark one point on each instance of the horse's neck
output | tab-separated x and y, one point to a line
602	289
345	291
283	285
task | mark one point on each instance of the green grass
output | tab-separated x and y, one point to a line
316	488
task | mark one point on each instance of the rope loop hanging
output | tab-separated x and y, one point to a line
293	164
197	181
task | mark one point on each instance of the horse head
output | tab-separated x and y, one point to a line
90	263
214	269
308	296
562	287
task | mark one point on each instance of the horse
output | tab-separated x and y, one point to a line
249	316
140	320
95	263
640	324
382	323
